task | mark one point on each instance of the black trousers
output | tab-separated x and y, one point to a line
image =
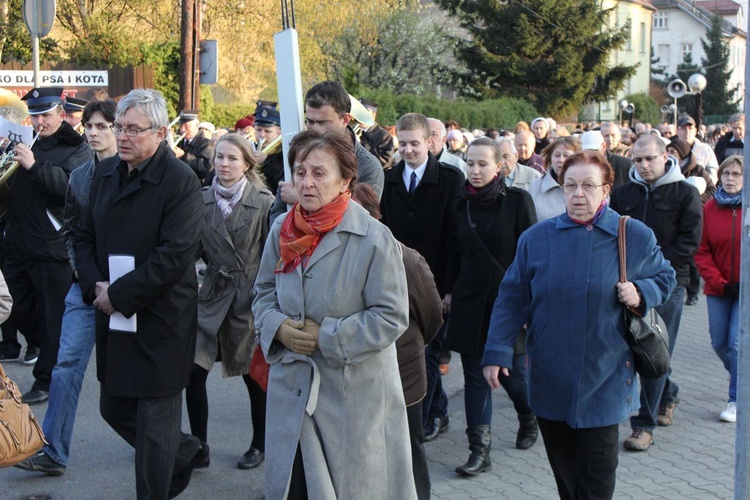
38	293
694	288
418	455
152	427
584	461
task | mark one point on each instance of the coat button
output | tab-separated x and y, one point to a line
628	381
627	364
297	391
308	275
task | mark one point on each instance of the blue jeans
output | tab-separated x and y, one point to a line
662	390
724	327
76	343
435	403
478	395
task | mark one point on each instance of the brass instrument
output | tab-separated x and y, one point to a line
360	116
273	147
8	167
174	141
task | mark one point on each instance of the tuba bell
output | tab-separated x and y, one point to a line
360	116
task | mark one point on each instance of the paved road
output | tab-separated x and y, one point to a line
693	459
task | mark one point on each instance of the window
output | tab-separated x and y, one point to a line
663	54
687	48
643	38
660	21
629	25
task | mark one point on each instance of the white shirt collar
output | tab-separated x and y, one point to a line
408	171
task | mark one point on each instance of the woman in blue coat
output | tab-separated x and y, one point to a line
563	284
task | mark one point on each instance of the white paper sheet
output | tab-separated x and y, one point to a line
120	265
16	132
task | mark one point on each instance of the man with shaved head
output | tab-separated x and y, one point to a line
438	139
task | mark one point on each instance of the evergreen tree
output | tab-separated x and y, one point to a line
659	74
686	103
555	54
718	98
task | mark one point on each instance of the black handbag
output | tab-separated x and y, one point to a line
645	337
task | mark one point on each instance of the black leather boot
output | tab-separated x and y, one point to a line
480	439
528	431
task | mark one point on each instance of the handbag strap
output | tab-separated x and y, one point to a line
622	248
487	252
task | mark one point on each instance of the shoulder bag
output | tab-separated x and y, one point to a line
20	434
646	339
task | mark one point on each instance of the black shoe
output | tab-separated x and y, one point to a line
8	353
31	355
205	464
439	426
41	462
480	441
181	480
35	396
251	459
691	300
528	431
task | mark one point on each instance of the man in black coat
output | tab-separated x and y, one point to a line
416	206
732	144
195	148
658	196
36	267
145	204
375	138
594	140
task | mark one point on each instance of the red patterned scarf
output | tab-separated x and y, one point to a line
301	232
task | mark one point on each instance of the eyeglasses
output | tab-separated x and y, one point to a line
589	187
101	127
130	132
727	173
649	159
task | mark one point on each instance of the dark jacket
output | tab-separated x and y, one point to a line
477	279
671	208
534	161
621	166
379	142
76	203
424	220
156	217
199	154
726	146
425	319
273	171
30	235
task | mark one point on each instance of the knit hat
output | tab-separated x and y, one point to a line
682	147
247	121
455	135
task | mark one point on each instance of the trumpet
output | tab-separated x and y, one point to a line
174	141
273	147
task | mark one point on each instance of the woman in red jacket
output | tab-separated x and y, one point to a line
718	260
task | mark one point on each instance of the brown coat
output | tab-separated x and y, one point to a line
425	319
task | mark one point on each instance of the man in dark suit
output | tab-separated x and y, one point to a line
145	204
594	140
416	206
195	148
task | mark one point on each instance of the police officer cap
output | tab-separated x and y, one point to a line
264	104
188	115
42	100
73	105
267	116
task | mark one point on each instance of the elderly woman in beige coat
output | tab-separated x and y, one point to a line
235	227
331	302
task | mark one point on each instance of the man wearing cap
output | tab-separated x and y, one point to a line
375	138
244	126
74	112
594	140
327	105
37	268
437	143
734	143
195	148
268	129
704	155
525	142
514	174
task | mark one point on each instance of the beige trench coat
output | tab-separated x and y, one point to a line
343	405
232	249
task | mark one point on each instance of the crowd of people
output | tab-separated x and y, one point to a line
338	293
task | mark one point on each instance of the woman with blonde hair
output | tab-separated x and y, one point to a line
235	227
